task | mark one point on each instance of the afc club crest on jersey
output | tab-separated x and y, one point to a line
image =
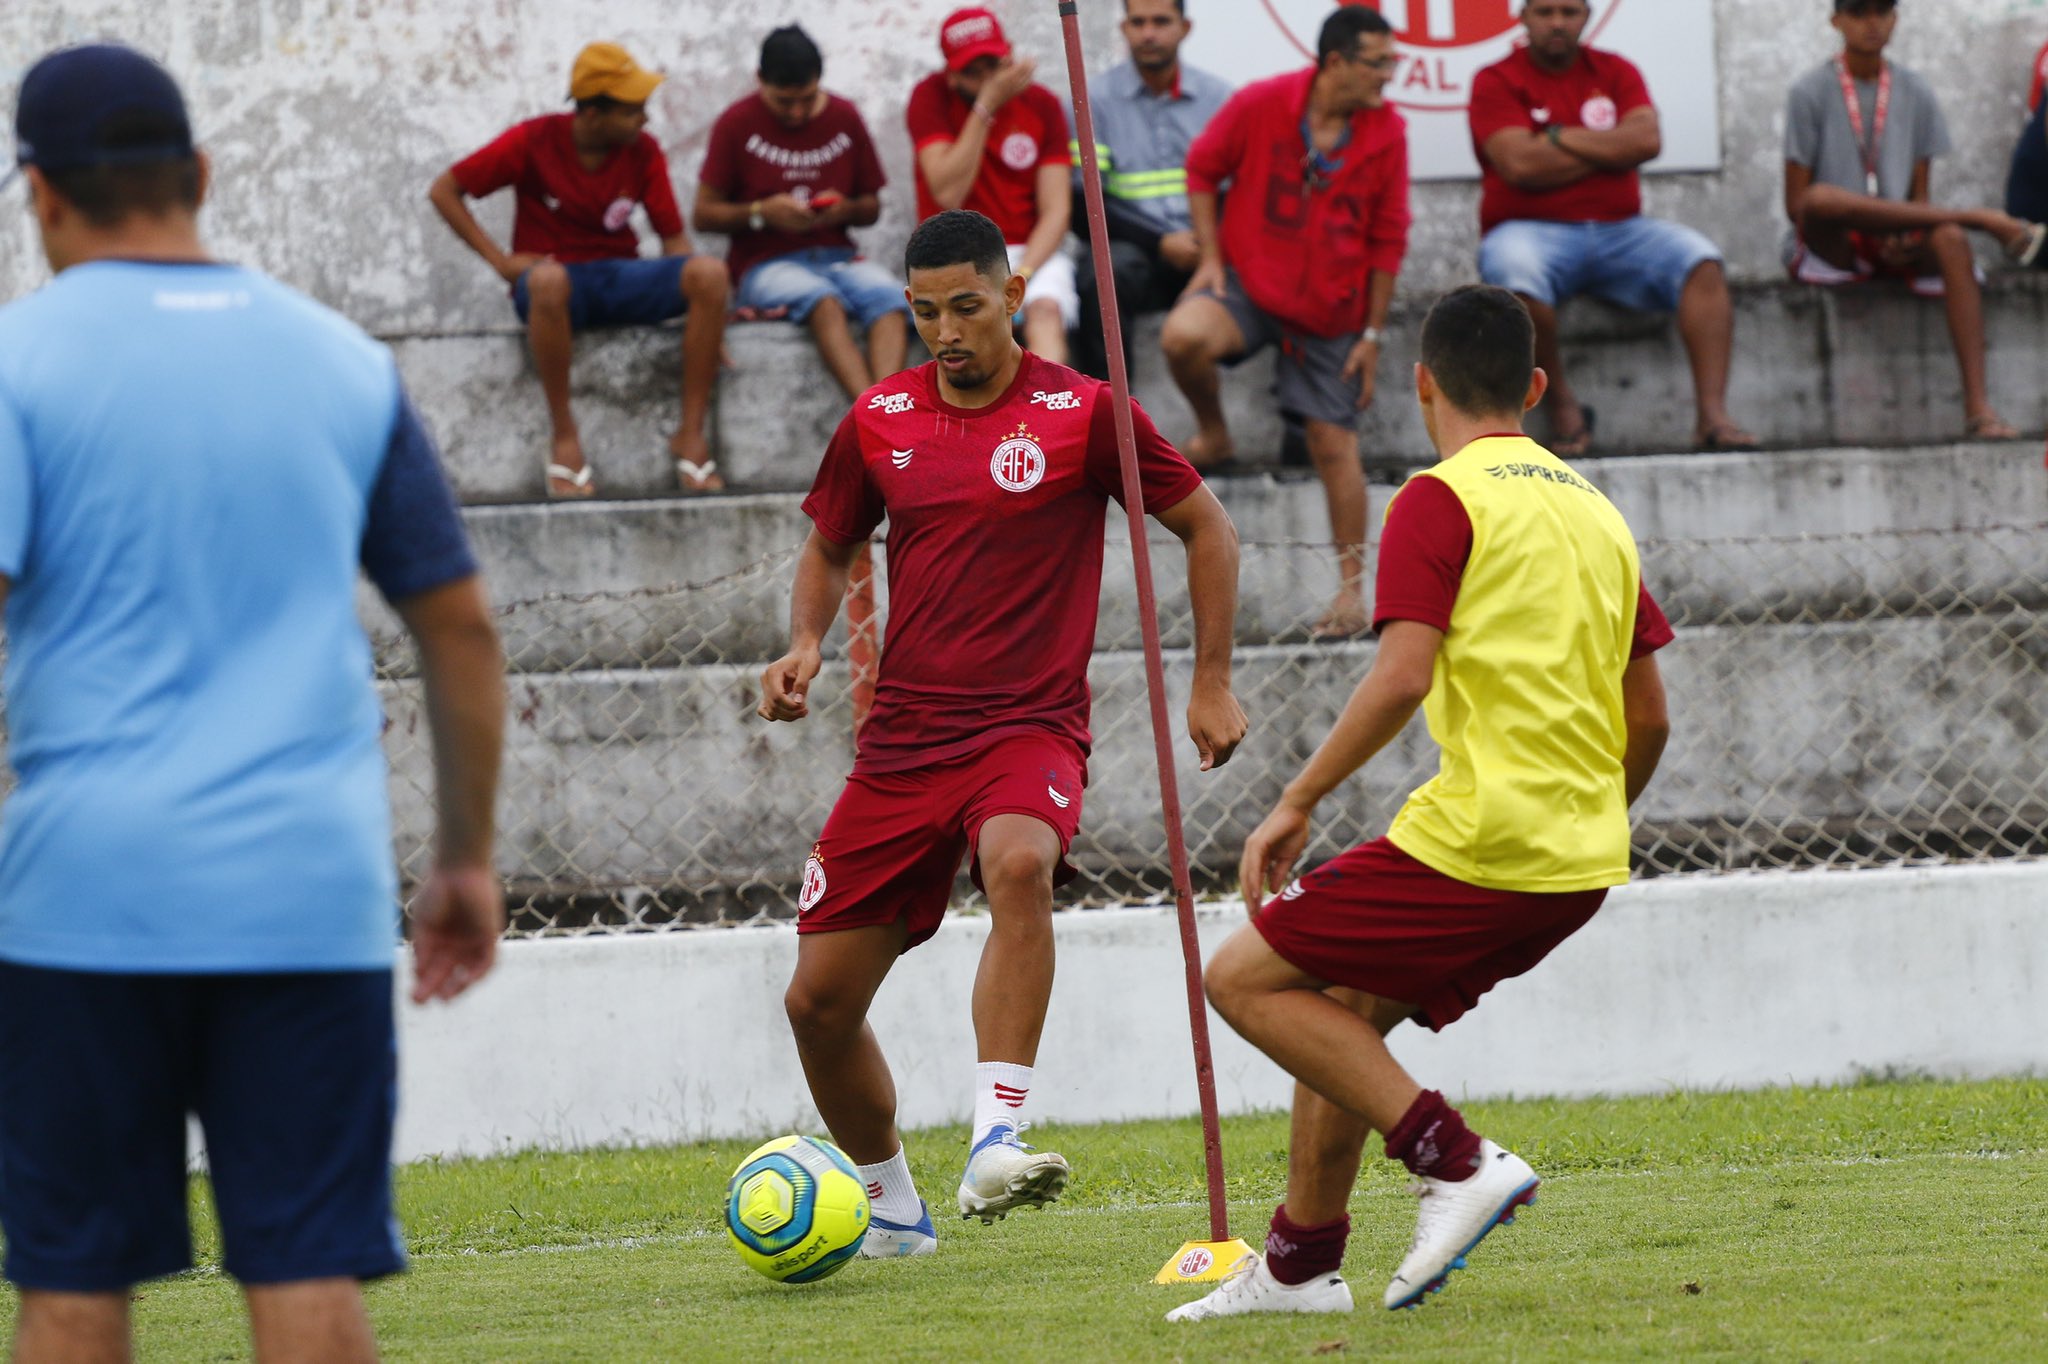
1019	151
814	881
1442	44
1018	464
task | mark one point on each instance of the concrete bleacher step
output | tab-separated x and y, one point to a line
590	583
1813	369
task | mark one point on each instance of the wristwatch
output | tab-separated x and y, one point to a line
755	221
1372	334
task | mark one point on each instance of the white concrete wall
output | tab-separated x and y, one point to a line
328	118
1736	981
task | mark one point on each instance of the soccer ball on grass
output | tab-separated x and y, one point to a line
796	1209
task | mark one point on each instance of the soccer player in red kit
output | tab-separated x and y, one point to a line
994	468
1511	608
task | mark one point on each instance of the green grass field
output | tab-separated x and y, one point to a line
1883	1221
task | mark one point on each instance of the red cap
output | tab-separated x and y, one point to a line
968	34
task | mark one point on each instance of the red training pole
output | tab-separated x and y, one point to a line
1148	620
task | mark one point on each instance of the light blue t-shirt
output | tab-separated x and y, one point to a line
191	458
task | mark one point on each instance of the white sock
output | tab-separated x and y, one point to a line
1000	1093
890	1191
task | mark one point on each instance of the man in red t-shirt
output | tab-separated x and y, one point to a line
988	139
1560	130
994	468
575	262
1312	238
788	170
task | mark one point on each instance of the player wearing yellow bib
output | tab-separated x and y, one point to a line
1511	608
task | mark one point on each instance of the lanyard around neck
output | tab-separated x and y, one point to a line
1872	147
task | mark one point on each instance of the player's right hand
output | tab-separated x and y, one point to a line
783	213
786	682
457	920
518	264
1270	854
1009	80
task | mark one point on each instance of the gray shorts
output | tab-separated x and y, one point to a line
1310	367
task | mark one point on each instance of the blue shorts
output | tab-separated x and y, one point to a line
801	280
294	1080
1640	264
618	293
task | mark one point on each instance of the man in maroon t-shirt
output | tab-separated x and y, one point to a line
1311	239
1560	130
788	170
994	469
575	262
988	139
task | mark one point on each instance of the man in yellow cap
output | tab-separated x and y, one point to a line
575	260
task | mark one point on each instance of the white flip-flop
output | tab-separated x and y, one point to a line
691	474
579	479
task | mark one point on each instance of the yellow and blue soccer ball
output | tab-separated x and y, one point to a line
796	1209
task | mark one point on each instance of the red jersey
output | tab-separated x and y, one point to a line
752	157
2040	79
1030	131
1597	91
1304	251
562	210
1423	550
994	551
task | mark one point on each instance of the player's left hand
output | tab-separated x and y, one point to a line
456	923
1216	723
1270	854
1363	364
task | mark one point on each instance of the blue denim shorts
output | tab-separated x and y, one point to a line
800	281
618	293
1639	263
294	1080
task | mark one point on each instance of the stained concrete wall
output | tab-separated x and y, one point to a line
327	118
1721	982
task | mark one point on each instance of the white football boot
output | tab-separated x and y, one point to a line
1251	1287
1455	1217
1003	1173
887	1240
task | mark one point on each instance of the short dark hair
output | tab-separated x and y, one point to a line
1180	7
108	192
1480	345
790	59
958	236
602	104
1881	6
1343	31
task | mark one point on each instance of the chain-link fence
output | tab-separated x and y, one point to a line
1837	701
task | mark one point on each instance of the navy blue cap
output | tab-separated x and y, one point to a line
74	101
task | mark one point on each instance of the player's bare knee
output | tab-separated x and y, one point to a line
547	286
1948	239
1182	338
827	314
1016	869
705	280
817	1011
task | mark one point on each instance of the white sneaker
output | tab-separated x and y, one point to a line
1251	1287
886	1240
1456	1217
1003	1173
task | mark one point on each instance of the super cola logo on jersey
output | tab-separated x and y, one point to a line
1443	44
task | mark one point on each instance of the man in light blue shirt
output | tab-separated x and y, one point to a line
1148	112
198	902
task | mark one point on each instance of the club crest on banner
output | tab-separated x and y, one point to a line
1018	463
1442	43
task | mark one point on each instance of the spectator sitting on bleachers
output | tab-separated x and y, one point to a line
1861	135
1313	233
1148	112
788	170
988	139
575	262
1560	130
2026	183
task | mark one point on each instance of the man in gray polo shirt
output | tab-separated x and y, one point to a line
1861	135
1148	112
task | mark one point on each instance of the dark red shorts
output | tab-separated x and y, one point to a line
1377	920
893	843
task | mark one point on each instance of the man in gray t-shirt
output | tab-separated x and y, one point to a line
1861	135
